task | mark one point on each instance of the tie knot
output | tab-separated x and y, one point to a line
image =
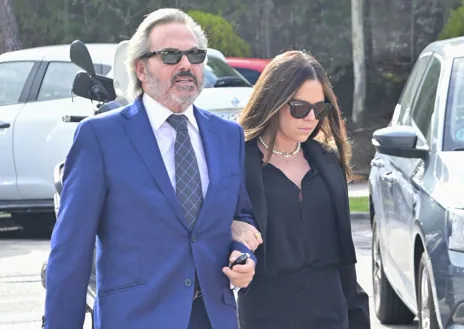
178	122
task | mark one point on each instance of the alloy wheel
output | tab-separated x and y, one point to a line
376	269
425	310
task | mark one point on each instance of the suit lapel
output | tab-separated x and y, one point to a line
333	175
255	184
140	132
210	142
255	188
330	169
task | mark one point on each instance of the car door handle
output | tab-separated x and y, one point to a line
4	125
377	162
389	177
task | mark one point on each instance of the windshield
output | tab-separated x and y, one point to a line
218	73
454	122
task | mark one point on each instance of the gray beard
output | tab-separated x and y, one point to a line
161	91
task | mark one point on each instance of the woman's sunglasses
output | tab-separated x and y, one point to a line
173	56
300	109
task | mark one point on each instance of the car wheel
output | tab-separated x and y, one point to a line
427	315
389	308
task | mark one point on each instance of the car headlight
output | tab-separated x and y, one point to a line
456	229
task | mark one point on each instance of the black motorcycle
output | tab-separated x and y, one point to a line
100	89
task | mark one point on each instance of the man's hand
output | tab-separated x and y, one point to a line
240	276
246	234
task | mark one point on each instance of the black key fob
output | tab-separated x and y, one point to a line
241	260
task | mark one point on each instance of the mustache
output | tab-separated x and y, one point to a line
184	74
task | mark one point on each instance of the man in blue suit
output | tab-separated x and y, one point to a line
156	186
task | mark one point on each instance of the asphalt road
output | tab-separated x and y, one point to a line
22	295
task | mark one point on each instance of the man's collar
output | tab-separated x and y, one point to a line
158	113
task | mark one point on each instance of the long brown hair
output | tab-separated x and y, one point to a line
276	86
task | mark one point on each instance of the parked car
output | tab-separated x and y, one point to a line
250	68
417	196
35	92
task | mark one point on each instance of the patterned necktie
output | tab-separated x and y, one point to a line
188	182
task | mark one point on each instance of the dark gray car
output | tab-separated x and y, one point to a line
417	196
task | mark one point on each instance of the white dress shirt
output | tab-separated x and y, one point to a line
166	137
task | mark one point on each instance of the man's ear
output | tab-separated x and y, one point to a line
140	70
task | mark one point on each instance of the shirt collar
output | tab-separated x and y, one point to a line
158	113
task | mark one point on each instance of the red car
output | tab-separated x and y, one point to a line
250	68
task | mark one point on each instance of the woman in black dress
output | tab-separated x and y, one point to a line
297	168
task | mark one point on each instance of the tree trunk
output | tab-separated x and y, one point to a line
368	43
9	32
267	24
359	65
412	34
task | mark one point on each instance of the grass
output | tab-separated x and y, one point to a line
359	204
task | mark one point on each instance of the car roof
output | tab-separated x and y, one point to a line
249	63
100	53
448	48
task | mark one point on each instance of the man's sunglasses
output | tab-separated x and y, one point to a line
300	109
173	56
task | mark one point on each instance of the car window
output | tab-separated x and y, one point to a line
217	69
250	75
58	80
105	69
454	121
424	104
410	89
13	76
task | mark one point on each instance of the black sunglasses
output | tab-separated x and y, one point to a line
173	56
300	109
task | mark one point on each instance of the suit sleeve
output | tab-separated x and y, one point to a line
356	298
243	211
73	239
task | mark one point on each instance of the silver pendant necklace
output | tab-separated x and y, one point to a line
281	153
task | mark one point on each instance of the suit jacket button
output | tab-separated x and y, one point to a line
194	238
188	282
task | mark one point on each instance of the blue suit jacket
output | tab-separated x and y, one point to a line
117	195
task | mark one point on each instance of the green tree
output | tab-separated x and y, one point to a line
221	34
455	25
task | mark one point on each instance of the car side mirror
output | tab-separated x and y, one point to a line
80	56
86	87
399	141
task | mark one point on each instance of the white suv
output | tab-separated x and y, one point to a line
35	93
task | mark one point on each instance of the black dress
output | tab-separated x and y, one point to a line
299	281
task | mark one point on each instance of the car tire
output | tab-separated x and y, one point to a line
425	304
389	308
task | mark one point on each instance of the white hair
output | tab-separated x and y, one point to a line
140	43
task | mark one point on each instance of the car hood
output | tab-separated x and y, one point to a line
226	102
226	98
449	170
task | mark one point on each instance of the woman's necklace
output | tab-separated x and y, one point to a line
285	155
